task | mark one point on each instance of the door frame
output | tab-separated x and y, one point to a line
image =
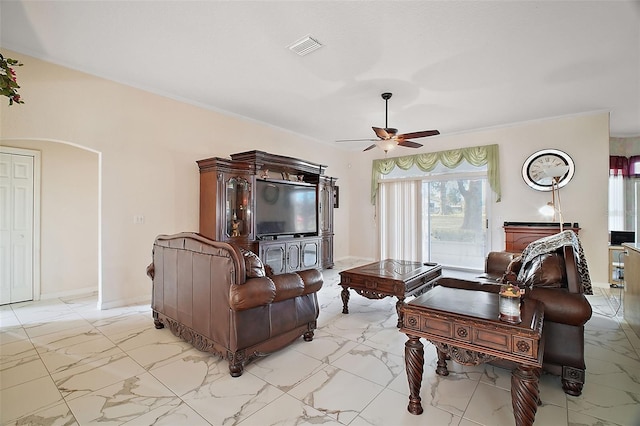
36	211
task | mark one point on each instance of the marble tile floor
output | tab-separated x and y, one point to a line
63	362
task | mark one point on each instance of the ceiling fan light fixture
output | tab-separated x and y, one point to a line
304	46
386	144
389	137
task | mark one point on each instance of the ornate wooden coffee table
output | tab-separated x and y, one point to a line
464	326
399	278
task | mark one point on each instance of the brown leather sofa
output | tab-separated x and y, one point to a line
554	279
218	298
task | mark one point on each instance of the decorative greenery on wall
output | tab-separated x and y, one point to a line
8	81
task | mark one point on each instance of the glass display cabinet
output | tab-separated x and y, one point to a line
237	214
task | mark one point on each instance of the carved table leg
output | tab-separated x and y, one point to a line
345	299
399	305
414	363
441	369
525	394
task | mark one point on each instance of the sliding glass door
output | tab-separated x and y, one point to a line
436	217
454	226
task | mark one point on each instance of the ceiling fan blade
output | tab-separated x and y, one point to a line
381	133
369	147
416	135
357	140
409	144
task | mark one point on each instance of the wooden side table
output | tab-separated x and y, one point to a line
464	326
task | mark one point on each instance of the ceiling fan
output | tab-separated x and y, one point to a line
388	137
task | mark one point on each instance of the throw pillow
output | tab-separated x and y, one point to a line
252	264
546	270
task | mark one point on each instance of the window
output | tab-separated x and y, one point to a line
623	176
437	216
616	203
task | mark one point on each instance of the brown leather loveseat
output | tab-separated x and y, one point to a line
218	298
555	274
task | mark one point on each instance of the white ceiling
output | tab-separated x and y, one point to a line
454	66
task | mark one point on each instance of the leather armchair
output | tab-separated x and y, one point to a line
219	298
554	280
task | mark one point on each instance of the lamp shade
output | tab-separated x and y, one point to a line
548	210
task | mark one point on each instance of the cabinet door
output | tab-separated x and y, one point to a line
327	252
274	255
293	257
310	251
237	196
325	204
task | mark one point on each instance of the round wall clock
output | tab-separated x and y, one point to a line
542	166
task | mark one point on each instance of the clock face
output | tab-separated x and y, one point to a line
542	167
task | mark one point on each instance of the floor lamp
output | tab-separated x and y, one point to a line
555	173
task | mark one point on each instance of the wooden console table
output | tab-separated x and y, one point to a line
464	326
518	235
389	277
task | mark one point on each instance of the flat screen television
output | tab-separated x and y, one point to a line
285	208
616	238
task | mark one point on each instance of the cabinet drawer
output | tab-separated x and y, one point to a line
492	339
437	327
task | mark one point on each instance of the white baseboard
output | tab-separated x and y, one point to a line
69	293
142	300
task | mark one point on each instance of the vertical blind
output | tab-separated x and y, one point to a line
399	209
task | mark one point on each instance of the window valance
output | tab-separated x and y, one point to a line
626	167
476	156
618	165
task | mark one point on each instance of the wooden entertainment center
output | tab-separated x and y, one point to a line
228	199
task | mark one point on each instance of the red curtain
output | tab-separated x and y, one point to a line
618	166
623	166
634	166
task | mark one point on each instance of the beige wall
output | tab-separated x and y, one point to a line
149	144
584	200
69	217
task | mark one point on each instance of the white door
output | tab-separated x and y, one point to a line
16	227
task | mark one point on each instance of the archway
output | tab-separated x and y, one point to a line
70	218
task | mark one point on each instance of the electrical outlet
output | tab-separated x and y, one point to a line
138	219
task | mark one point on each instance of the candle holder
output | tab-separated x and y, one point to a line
509	303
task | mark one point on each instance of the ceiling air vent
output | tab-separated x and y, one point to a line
305	46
